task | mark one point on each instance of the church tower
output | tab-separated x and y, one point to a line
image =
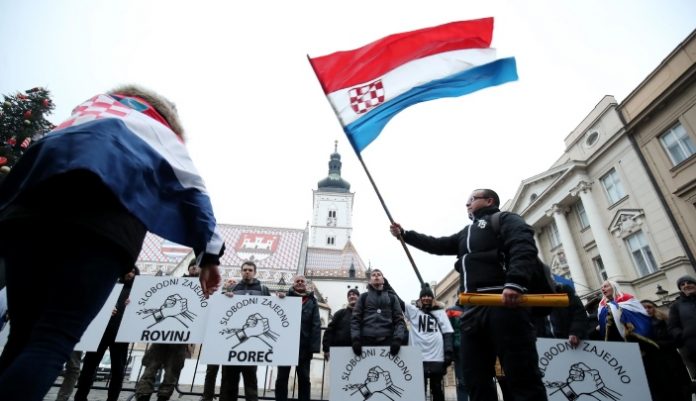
332	217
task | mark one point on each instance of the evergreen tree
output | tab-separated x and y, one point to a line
22	122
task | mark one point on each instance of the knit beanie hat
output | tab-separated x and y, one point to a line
684	279
354	291
426	290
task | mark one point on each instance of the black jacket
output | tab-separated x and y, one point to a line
562	322
310	326
682	324
253	288
377	314
337	333
478	250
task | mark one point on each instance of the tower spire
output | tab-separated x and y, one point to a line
334	182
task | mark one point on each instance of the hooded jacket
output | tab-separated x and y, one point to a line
310	326
376	314
478	250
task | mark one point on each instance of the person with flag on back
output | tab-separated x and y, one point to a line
94	186
486	332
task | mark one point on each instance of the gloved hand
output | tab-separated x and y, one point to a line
448	359
395	347
357	347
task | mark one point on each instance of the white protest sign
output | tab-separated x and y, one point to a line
376	374
95	331
595	370
169	310
252	330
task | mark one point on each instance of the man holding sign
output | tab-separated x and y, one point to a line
229	385
310	335
506	332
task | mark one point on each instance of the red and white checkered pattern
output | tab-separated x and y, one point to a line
365	98
100	106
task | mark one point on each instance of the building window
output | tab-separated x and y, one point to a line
599	266
552	233
582	215
332	213
643	258
678	144
612	186
592	139
330	240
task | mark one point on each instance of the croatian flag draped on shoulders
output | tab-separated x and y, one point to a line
130	146
627	313
369	85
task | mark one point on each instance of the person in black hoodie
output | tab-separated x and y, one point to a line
310	334
117	351
486	332
337	333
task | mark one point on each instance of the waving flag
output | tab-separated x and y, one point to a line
369	85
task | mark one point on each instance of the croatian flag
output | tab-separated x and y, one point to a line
142	161
625	310
369	85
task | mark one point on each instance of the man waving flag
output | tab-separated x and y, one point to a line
369	85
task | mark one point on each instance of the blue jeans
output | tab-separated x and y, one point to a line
54	290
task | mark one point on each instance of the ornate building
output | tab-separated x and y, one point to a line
322	251
619	203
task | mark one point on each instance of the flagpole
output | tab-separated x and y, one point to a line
374	186
391	220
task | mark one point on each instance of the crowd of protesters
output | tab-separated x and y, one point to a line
132	174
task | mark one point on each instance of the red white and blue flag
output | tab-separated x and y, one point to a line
136	155
369	85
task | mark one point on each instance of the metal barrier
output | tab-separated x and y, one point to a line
266	393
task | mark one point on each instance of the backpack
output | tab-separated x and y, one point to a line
541	281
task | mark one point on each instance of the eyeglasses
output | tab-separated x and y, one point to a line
299	281
473	198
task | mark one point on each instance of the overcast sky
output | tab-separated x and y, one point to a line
261	131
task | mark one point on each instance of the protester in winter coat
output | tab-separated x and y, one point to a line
682	320
502	261
623	318
671	376
229	384
570	322
94	186
310	333
337	333
431	333
377	317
